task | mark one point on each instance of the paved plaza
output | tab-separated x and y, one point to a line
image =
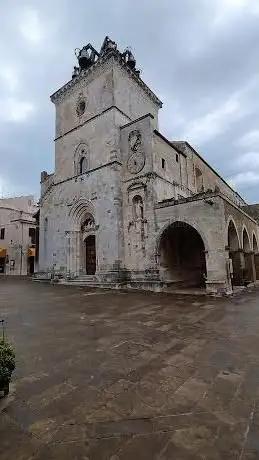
121	376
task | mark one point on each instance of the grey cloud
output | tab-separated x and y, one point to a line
193	65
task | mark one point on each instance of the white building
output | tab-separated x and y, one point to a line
127	206
17	235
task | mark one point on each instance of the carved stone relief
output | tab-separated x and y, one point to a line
136	158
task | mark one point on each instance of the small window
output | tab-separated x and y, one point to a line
2	233
83	166
177	157
163	163
32	235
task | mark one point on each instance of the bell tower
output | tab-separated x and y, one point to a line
104	93
94	112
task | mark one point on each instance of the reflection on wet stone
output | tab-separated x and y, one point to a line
117	385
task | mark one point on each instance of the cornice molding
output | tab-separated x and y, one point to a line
60	94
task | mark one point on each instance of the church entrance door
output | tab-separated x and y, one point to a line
90	255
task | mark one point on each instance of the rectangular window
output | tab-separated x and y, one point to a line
2	233
177	157
32	235
163	163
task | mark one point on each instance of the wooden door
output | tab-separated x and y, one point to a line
90	255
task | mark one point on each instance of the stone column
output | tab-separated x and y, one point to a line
249	267
151	263
68	253
256	260
238	266
77	249
253	266
218	281
72	252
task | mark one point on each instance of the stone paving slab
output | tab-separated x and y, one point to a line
130	375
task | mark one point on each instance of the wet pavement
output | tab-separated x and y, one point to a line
122	376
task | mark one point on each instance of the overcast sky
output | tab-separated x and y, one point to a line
201	57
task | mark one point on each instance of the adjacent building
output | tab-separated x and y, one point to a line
127	207
18	231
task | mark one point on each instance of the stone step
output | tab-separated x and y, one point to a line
86	277
90	284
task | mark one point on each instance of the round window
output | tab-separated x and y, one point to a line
81	107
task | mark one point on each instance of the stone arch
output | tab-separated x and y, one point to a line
136	185
231	222
83	223
246	243
189	222
181	255
81	159
88	224
134	189
138	207
78	212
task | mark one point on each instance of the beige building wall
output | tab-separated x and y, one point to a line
16	248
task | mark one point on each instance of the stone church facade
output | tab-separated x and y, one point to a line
127	207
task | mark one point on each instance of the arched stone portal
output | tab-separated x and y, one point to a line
235	254
81	251
182	256
90	255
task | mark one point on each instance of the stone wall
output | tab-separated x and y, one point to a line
207	217
241	220
210	178
96	192
96	140
252	210
139	225
131	98
170	166
17	240
96	89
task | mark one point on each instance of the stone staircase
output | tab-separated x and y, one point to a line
89	281
92	281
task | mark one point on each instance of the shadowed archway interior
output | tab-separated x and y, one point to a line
248	258
182	256
234	254
256	257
